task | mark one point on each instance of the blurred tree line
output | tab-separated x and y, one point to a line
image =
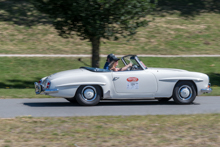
21	12
187	7
96	19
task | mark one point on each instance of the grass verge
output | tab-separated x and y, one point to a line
20	93
172	130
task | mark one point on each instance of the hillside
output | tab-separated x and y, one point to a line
25	31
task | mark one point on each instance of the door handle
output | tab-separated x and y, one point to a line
115	78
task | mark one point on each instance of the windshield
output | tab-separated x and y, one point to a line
130	59
133	59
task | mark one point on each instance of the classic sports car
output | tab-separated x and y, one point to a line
88	85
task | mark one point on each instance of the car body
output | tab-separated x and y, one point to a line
88	85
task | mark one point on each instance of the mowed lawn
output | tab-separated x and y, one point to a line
18	74
105	131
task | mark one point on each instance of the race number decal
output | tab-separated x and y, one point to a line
132	83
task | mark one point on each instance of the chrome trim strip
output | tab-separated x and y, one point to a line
181	78
83	83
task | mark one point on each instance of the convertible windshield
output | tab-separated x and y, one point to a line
130	59
135	62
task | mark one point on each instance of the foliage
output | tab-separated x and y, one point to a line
96	19
21	12
188	7
100	18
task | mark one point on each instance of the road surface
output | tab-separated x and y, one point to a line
59	107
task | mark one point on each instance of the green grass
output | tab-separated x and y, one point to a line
26	31
153	131
20	93
18	74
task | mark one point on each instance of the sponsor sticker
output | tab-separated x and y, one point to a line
132	83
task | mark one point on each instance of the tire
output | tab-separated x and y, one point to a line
88	95
184	92
163	99
71	100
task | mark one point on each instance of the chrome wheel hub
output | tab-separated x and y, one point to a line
89	93
185	92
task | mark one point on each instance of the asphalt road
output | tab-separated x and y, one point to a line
59	107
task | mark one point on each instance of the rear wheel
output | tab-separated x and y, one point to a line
88	95
184	92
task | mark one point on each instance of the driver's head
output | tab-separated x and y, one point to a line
113	58
109	57
113	62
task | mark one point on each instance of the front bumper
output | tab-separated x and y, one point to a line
207	90
39	89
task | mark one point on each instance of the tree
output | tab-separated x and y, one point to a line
188	7
96	19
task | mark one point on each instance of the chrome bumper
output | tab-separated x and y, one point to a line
208	90
39	89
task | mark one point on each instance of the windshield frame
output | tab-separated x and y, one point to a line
136	59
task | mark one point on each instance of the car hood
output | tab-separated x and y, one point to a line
167	69
65	73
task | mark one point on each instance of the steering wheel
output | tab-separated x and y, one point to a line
130	67
133	67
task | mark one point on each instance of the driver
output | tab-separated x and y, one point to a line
114	63
108	61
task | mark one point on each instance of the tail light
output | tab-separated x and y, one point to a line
48	85
39	81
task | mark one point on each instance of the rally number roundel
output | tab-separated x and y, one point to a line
132	79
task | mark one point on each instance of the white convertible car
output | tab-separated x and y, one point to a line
88	85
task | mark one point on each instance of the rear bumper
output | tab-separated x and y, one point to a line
39	89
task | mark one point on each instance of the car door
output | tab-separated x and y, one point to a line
139	81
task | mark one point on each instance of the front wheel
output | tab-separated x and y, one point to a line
88	95
184	92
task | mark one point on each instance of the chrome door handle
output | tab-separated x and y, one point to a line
115	78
